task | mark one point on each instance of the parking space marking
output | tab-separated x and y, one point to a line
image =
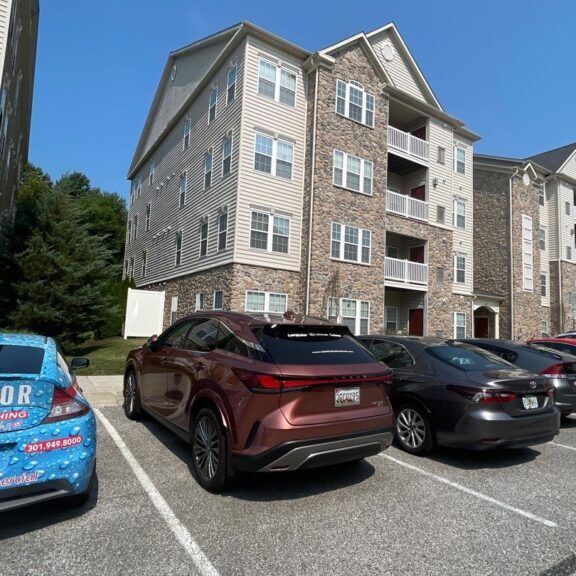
562	446
508	507
200	560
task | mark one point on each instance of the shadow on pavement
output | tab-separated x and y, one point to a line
474	460
569	422
37	516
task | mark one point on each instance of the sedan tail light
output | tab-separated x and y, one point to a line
484	396
554	371
65	406
258	382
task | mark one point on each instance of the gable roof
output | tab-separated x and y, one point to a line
553	160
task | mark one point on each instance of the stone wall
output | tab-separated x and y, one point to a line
567	317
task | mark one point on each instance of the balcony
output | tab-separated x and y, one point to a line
406	206
408	145
406	271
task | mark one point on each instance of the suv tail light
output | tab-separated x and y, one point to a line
554	371
65	406
484	396
258	382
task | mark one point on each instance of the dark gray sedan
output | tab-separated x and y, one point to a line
454	394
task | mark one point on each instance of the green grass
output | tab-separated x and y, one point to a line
106	357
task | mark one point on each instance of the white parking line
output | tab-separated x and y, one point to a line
201	562
529	515
562	446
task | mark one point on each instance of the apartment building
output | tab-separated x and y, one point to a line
331	183
524	243
18	38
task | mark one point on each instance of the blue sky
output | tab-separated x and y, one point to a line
505	67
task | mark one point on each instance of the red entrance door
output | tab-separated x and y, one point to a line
420	133
481	327
419	193
417	254
416	322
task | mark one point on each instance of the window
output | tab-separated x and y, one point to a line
541	196
148	212
270	232
182	188
174	309
129	231
460	274
202	336
208	169
203	238
568	252
459	213
218	301
459	325
212	100
266	302
391	319
352	172
393	252
568	208
132	264
178	243
187	131
542	239
199	304
273	156
226	155
441	156
527	255
231	84
135	228
139	187
392	354
222	230
277	83
459	160
352	313
174	338
151	174
350	244
543	285
354	103
544	329
144	263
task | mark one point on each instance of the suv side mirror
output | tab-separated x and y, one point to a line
152	342
78	363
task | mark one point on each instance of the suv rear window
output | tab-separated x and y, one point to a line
20	359
310	344
468	359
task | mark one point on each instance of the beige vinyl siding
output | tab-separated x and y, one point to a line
567	221
545	254
260	190
171	161
404	302
441	195
553	221
398	69
569	167
462	188
190	70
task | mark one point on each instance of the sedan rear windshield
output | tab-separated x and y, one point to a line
468	359
20	359
311	345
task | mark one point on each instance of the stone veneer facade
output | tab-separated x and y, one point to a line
563	319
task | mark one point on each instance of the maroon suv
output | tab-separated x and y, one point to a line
261	393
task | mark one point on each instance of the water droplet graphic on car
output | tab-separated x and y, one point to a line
87	442
75	431
31	465
14	460
64	465
83	456
56	431
74	477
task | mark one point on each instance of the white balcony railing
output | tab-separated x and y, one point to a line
406	271
406	206
405	142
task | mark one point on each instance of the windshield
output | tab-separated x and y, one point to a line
468	358
20	359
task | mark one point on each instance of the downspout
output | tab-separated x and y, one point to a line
511	259
311	207
559	234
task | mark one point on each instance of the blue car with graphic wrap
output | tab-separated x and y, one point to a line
47	428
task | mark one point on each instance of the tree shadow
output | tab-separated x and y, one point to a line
482	460
44	514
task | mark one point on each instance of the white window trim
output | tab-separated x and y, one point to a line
362	175
540	239
199	301
144	262
213	90
463	202
152	173
386	308
204	222
462	256
342	242
187	133
229	85
148	216
457	147
209	152
346	114
456	315
135	226
357	319
527	256
266	301
181	234
220	231
182	194
274	156
544	328
231	137
279	69
214	300
545	276
270	232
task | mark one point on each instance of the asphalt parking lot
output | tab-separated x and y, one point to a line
509	512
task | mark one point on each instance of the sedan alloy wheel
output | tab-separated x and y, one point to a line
413	431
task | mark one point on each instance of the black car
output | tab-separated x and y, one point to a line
453	394
559	367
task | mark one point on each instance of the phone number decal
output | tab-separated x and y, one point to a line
56	444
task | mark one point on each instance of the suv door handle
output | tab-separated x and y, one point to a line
198	366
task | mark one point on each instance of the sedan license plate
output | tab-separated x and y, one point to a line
346	397
530	402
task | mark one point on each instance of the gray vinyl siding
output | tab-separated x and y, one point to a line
190	69
260	190
398	69
569	167
171	161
